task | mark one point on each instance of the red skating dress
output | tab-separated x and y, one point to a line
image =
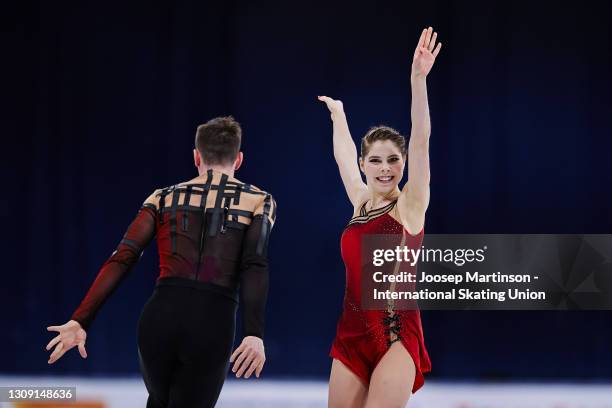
364	336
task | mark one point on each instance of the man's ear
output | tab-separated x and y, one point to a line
196	158
238	161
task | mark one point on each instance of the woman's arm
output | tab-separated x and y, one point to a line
345	153
414	198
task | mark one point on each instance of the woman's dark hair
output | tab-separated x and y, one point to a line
382	133
218	140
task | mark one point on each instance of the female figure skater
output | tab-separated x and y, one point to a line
379	356
212	235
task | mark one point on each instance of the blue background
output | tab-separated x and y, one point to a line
102	104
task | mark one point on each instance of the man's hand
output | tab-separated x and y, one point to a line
70	334
249	356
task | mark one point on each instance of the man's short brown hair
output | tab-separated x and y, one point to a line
218	140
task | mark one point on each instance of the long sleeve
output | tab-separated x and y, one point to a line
115	269
254	268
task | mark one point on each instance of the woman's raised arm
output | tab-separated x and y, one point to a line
345	153
414	198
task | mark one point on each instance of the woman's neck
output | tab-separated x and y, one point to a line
378	200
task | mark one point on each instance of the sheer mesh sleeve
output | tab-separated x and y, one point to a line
254	268
115	269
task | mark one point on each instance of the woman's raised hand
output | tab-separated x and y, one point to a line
70	334
333	105
425	53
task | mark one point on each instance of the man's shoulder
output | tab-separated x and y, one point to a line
242	194
257	199
250	188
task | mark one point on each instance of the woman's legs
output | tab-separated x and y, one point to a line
392	379
345	388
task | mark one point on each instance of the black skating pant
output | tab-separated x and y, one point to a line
185	338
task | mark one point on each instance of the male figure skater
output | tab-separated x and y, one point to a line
212	235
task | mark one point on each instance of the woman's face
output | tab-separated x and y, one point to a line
383	166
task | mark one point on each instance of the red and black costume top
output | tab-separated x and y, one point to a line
363	336
213	230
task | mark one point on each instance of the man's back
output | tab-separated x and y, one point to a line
213	229
204	226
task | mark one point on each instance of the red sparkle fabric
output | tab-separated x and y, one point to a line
361	340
